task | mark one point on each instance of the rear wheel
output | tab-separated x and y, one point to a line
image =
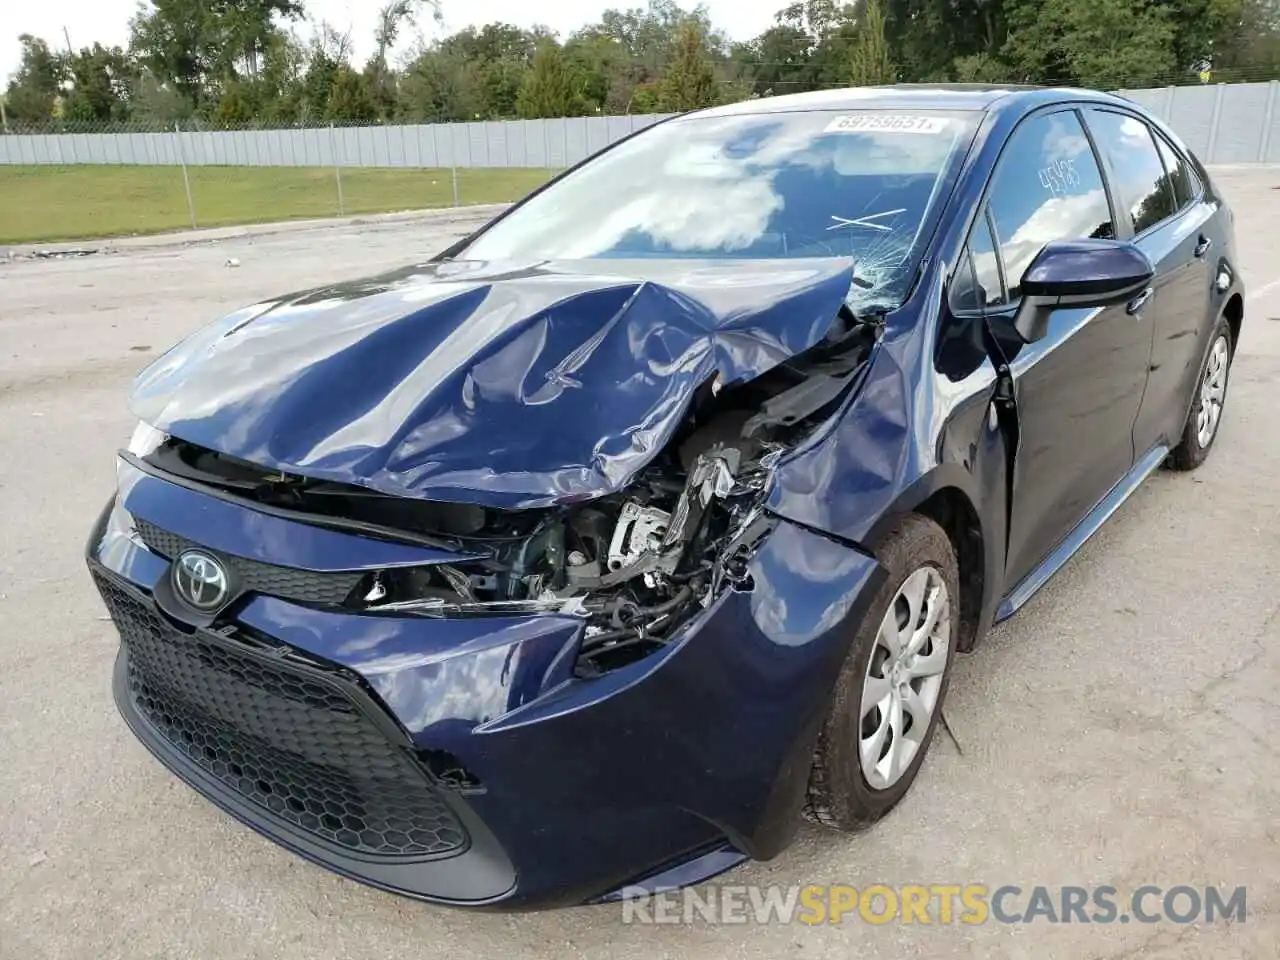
1211	396
889	695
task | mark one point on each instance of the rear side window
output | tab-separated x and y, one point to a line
1047	187
1141	181
1179	173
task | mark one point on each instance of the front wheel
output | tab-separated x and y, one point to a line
1211	396
889	694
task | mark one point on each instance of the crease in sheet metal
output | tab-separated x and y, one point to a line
506	384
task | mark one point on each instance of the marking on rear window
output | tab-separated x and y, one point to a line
888	123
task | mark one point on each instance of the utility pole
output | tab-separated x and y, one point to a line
67	37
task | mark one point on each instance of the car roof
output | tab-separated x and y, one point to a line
937	96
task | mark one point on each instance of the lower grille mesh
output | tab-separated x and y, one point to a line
293	745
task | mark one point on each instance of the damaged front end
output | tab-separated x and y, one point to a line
634	564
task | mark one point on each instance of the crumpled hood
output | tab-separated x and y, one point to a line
510	385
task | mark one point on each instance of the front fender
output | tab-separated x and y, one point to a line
908	435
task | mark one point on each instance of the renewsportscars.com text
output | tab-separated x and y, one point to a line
938	903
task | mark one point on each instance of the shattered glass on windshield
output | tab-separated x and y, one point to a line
783	185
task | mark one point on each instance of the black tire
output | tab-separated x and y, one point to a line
839	793
1190	453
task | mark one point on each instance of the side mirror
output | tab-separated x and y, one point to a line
1079	273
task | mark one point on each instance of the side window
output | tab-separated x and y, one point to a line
977	283
1047	187
1141	181
1179	173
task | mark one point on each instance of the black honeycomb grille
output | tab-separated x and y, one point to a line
304	586
295	746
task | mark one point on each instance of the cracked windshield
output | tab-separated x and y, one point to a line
816	184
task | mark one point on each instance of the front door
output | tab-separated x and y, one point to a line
1078	390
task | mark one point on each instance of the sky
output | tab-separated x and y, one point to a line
107	21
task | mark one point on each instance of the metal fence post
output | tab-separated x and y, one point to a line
1264	143
1213	124
453	163
186	180
337	171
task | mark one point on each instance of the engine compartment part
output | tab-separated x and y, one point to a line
635	565
639	530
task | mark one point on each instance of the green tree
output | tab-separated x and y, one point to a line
237	106
1246	46
813	18
497	59
438	87
100	84
869	62
350	99
628	52
602	70
279	91
928	37
981	68
833	49
690	80
494	42
237	61
1094	43
157	104
34	88
195	45
317	85
548	91
780	60
1203	29
829	28
381	79
497	86
648	35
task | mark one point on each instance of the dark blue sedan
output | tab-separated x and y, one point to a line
595	552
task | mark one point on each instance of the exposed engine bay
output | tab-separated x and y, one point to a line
634	564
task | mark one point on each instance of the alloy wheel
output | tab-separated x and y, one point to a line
1213	391
904	677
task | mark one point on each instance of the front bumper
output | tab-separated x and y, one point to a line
461	761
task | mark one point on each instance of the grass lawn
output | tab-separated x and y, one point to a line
78	201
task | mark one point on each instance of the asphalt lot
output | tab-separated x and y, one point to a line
1120	730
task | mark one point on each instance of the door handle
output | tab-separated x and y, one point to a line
1141	300
1202	247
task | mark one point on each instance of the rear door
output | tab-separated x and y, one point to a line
1079	389
1159	193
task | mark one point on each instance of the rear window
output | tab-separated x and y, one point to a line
1139	172
1179	173
849	183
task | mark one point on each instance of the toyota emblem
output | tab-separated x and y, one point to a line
200	581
